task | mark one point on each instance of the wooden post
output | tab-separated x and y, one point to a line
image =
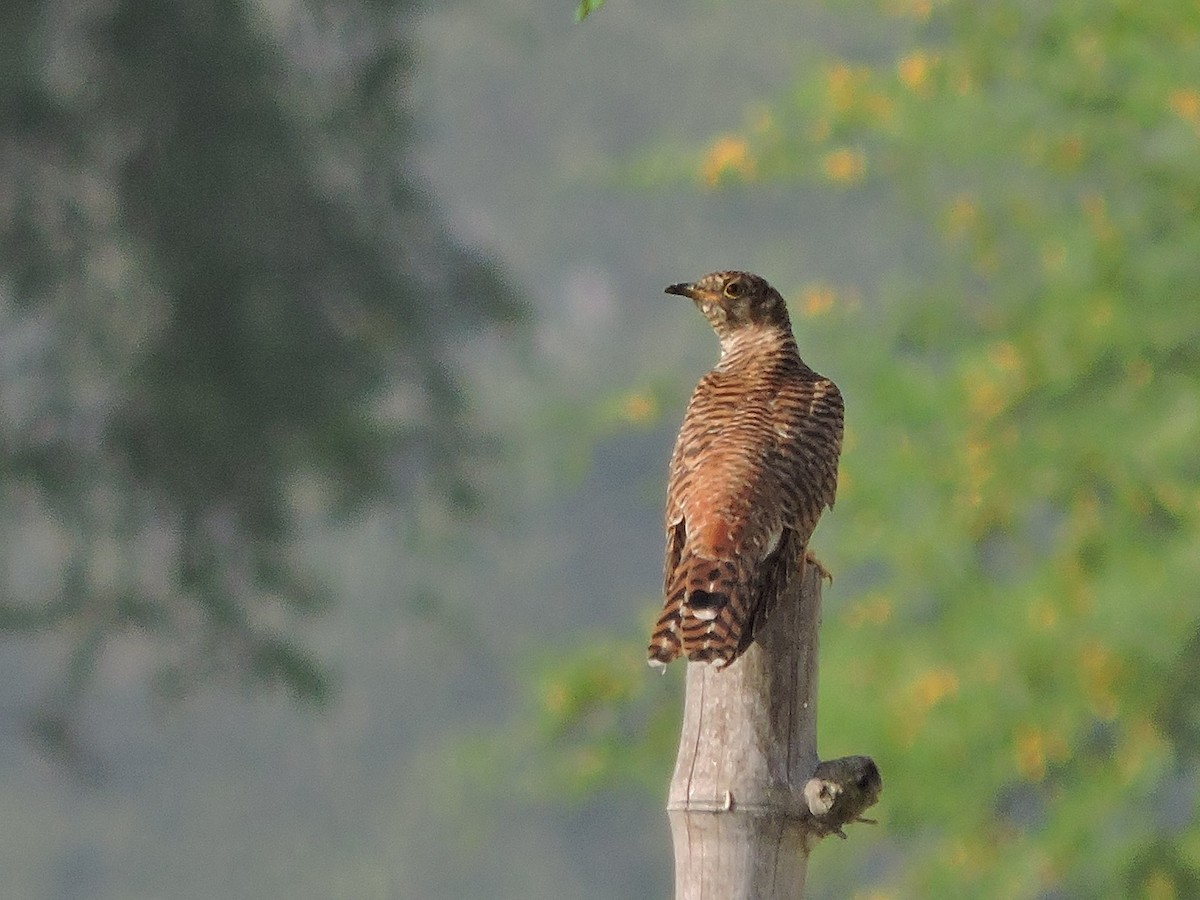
749	799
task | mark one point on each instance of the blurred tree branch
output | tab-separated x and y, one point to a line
220	280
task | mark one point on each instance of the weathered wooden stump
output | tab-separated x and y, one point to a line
749	798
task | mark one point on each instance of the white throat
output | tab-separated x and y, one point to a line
752	340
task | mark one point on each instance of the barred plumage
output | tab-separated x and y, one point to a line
755	465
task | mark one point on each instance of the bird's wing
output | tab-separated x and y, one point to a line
809	431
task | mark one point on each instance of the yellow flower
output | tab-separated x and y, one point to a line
920	696
1033	747
844	482
1004	355
556	697
844	165
639	408
730	153
874	609
1159	885
844	84
914	70
979	466
816	300
985	397
932	687
1185	103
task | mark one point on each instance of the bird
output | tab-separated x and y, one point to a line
754	467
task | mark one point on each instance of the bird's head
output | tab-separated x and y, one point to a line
733	300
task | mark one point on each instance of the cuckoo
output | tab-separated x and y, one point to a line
754	466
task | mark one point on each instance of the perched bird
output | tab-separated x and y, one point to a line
754	466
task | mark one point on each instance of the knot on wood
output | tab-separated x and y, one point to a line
839	792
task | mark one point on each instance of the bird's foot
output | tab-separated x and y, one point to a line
810	560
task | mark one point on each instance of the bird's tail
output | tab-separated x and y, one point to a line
705	614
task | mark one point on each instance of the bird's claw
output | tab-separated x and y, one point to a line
811	560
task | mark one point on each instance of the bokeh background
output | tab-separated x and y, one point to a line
337	388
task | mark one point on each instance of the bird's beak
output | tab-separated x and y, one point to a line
683	289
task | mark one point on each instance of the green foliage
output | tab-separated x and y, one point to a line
1017	536
586	8
590	721
1022	471
599	714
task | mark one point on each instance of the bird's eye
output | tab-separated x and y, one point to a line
734	289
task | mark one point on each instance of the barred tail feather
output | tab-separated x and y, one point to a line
705	614
665	643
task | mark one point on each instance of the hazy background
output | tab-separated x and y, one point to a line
337	387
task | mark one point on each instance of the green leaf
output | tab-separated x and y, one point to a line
586	8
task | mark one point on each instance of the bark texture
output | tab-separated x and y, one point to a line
749	797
